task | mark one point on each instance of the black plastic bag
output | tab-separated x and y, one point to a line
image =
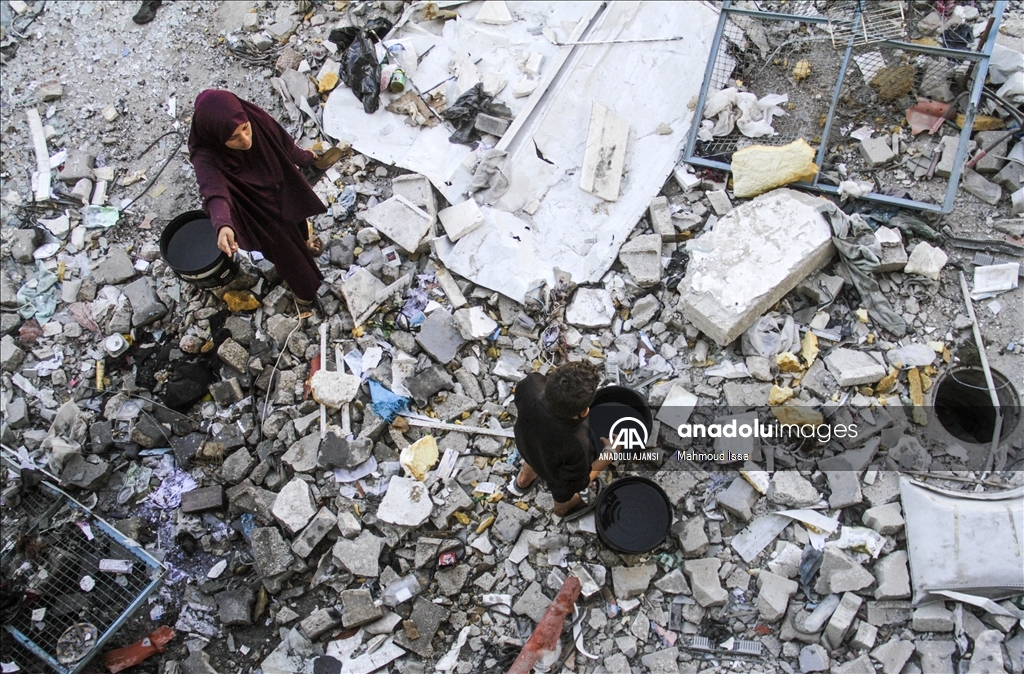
462	113
361	72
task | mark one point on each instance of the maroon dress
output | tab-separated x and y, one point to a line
259	193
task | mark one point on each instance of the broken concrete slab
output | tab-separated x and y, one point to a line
361	555
236	606
440	337
704	581
421	627
310	537
361	291
756	254
461	219
641	256
303	456
926	260
271	553
416	189
358	608
840	573
885	519
893	654
590	308
401	221
789	488
474	323
773	595
294	507
632	581
406	503
605	153
853	368
934	617
739	498
333	388
510	521
893	576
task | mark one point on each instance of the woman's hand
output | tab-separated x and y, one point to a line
226	241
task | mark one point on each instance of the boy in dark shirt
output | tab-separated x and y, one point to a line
553	433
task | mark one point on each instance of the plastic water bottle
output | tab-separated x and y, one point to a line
401	590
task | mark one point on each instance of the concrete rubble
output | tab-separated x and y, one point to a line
191	418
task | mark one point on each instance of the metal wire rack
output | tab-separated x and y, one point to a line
866	64
59	605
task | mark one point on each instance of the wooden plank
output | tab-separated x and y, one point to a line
605	155
42	174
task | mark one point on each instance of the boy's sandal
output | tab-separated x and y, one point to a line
516	490
589	497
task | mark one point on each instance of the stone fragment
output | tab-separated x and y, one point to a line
845	486
426	618
853	368
303	456
617	663
662	662
228	392
693	541
673	582
773	595
361	291
489	124
89	473
358	608
719	201
294	507
494	12
48	91
271	553
632	581
894	255
605	154
417	190
704	581
401	221
840	573
310	537
813	658
590	308
926	260
360	556
988	654
233	355
235	606
23	244
644	310
738	499
893	576
474	323
115	268
320	622
760	168
236	466
461	219
425	384
406	503
885	519
440	337
641	256
754	256
11	355
661	216
204	498
893	654
789	488
979	186
936	656
842	619
333	388
876	151
510	521
934	617
861	665
864	638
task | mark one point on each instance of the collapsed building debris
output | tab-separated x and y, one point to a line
327	490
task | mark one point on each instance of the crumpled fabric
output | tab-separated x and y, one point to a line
36	296
386	404
65	437
770	335
742	110
412	314
860	253
488	178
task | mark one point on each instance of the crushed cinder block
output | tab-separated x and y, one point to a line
632	581
842	619
660	214
202	499
773	595
840	573
590	308
926	260
461	219
401	221
308	538
885	519
893	576
893	654
853	368
704	582
641	256
754	256
739	498
358	608
406	503
439	336
934	617
361	556
876	151
294	507
789	488
426	618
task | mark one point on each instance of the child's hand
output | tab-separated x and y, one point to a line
226	241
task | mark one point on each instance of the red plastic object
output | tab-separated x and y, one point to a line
129	656
927	116
314	367
549	630
447	559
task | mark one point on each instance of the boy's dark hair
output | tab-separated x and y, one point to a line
570	388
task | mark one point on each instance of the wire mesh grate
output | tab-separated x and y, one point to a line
62	606
845	65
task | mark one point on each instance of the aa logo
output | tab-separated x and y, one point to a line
628	434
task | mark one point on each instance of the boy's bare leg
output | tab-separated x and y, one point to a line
526	476
563	509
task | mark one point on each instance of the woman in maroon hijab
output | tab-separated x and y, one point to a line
245	165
